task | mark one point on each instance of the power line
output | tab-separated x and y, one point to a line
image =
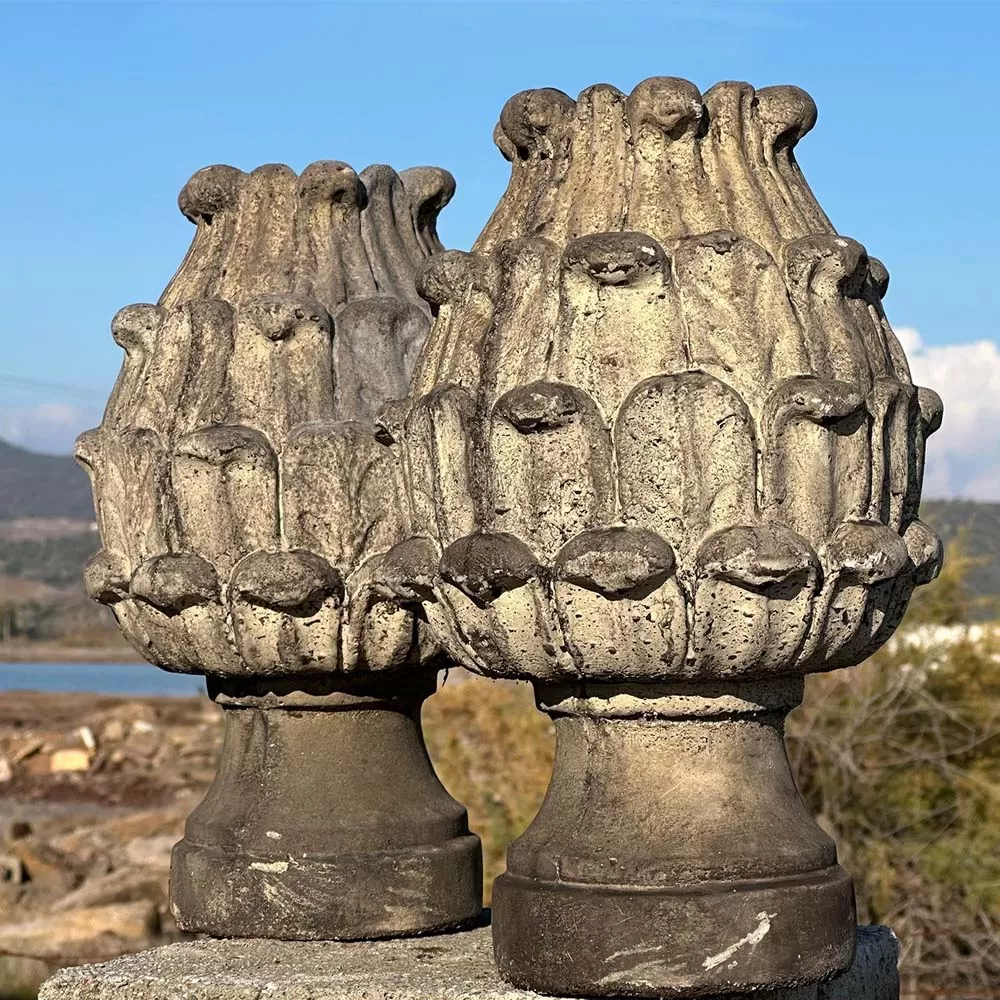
68	390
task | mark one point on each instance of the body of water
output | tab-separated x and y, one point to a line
99	678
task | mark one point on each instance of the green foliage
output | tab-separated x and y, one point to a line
58	561
900	760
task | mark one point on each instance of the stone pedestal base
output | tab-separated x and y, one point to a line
673	856
326	820
442	967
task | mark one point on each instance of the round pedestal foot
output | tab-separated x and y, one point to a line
325	821
586	940
379	894
673	855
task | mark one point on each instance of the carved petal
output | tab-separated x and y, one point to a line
129	471
926	551
524	332
342	493
621	611
258	255
333	264
177	597
926	554
462	289
752	602
534	133
387	230
666	115
613	291
484	566
862	563
226	483
783	115
827	276
597	168
184	380
282	364
136	329
551	456
89	453
286	612
440	454
494	587
106	577
381	630
429	190
893	408
615	562
732	157
409	574
686	458
176	581
817	456
375	345
923	423
735	312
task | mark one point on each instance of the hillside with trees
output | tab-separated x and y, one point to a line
35	485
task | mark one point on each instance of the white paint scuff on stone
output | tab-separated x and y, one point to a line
753	938
276	867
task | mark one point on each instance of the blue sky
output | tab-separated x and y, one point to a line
108	108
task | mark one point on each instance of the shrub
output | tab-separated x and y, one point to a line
900	760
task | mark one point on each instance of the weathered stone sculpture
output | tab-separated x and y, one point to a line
254	530
669	450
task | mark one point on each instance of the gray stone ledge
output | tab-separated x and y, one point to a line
441	967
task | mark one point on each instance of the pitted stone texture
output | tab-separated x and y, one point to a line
661	434
238	482
251	521
444	967
667	385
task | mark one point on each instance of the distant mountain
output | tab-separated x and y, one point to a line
977	526
34	485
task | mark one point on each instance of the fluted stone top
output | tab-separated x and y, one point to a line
328	233
661	426
245	505
664	160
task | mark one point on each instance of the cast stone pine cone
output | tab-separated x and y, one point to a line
667	455
254	530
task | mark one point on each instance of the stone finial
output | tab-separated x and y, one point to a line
668	447
255	530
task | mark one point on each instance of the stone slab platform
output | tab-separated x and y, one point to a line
441	967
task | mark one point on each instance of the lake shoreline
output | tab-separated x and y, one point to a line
55	652
97	677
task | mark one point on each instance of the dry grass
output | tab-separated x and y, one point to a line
900	760
493	751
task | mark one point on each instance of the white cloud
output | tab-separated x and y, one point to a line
963	457
50	426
